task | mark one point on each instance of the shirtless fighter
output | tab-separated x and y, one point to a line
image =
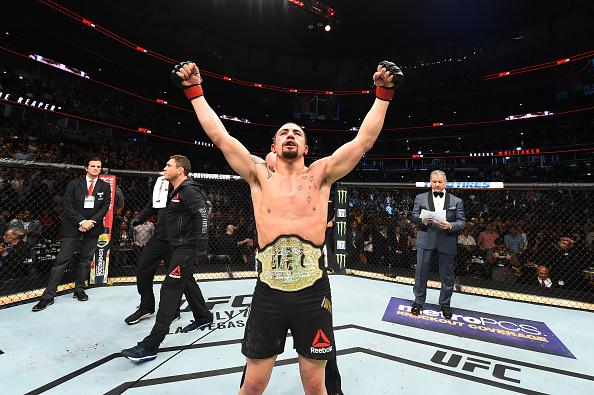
290	209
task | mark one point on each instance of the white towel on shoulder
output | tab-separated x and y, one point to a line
160	192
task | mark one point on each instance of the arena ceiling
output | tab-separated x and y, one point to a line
276	26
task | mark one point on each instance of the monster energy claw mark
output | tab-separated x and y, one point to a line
342	196
341	228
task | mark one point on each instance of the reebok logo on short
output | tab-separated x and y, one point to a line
320	344
175	273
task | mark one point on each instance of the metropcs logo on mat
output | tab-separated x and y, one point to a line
514	332
321	344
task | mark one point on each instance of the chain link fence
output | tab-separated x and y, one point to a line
31	213
524	242
528	242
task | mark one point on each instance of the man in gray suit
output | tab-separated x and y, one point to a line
440	236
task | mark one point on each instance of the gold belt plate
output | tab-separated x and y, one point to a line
290	264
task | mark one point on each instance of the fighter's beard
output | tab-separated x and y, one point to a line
290	154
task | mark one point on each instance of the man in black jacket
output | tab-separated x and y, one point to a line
186	225
157	249
86	202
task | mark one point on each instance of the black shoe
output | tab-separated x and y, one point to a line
80	295
135	317
446	311
200	323
42	304
139	354
416	309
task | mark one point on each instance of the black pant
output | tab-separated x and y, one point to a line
153	252
86	247
179	276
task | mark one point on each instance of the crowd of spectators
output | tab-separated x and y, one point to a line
82	97
510	236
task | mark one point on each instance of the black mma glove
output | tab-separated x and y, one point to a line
386	92
193	90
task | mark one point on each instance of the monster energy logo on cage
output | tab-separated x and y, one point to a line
341	228
342	196
341	260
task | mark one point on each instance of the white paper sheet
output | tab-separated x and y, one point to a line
438	215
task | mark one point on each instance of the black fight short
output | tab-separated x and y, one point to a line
307	313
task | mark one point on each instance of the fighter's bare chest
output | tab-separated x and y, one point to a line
291	192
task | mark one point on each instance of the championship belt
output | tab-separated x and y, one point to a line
290	264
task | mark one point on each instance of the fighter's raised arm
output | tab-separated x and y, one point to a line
386	78
187	77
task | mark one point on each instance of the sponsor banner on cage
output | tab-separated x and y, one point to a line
464	184
100	263
513	332
340	227
211	176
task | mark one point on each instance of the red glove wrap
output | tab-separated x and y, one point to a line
194	92
384	93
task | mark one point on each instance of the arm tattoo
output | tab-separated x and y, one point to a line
260	161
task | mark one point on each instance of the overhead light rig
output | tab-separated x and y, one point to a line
318	9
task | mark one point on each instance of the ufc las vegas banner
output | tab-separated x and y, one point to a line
100	263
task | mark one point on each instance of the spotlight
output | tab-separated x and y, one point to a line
327	28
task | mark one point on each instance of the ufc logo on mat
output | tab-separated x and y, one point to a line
470	364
